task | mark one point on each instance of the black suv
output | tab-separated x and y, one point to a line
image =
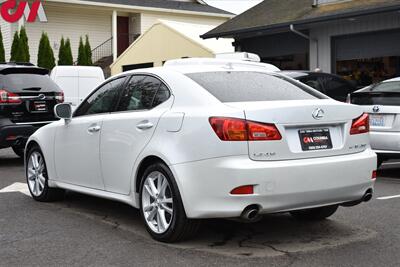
331	85
27	100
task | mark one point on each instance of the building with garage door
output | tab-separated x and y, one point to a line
167	40
357	39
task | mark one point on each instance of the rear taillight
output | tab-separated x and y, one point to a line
374	175
60	97
243	190
9	98
360	125
232	129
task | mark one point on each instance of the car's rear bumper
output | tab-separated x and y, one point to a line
386	144
205	186
12	134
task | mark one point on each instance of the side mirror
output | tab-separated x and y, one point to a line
63	111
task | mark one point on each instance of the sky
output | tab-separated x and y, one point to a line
234	6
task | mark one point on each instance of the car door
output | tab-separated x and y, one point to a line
126	132
77	159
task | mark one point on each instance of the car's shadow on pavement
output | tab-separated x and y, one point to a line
390	170
274	235
9	159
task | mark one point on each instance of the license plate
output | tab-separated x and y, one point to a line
377	120
39	106
315	139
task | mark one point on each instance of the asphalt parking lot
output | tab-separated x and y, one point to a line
86	231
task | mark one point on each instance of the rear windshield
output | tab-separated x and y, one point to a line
386	93
252	86
25	82
383	87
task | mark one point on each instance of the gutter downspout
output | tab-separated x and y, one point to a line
292	29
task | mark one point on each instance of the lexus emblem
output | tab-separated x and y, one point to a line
318	114
376	109
42	97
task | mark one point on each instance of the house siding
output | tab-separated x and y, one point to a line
150	18
6	31
325	33
70	22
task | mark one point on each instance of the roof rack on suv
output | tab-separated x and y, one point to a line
18	63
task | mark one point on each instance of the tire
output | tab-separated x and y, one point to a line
37	178
19	151
317	214
168	222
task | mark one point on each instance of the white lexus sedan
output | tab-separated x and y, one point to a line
206	138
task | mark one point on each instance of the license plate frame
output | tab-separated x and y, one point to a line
39	107
315	139
377	120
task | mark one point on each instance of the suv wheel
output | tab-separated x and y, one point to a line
316	214
37	178
19	151
161	206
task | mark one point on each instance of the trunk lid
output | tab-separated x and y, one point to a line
300	120
383	108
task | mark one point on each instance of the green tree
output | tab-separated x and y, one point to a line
88	51
82	57
45	55
23	51
2	52
69	60
15	47
61	53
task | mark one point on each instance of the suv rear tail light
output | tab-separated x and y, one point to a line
360	125
9	98
60	97
232	129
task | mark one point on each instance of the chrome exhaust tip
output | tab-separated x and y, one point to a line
251	213
367	197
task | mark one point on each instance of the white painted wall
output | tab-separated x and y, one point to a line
69	22
150	18
325	33
6	30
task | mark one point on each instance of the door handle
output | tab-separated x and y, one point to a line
94	129
146	125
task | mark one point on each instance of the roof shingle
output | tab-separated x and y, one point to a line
167	4
271	13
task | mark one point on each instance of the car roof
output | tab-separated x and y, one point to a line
397	79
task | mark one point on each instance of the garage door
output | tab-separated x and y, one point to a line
371	45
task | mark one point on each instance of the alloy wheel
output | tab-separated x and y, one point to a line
36	173
157	202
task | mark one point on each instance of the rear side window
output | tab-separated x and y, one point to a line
252	86
21	82
143	93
